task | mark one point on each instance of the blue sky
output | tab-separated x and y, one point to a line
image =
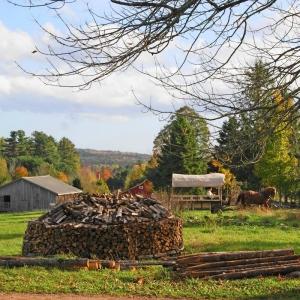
105	117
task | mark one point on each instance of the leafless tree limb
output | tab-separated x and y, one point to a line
211	42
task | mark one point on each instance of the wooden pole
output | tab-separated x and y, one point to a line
259	272
232	263
222	256
170	199
91	264
46	262
239	268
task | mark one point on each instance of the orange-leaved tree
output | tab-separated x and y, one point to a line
105	173
21	172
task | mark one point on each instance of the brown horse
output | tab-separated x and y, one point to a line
258	198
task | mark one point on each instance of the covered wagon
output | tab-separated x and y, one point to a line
212	180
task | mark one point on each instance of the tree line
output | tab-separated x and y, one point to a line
184	145
38	154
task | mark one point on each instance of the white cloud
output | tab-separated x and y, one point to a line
14	44
113	93
5	85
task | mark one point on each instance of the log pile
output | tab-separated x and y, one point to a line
106	227
237	265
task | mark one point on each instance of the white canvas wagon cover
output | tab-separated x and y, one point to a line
207	180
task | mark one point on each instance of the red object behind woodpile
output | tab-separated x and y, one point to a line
144	189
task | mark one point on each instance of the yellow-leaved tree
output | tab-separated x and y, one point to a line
4	174
135	175
278	166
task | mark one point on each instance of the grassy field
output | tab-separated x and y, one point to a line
231	231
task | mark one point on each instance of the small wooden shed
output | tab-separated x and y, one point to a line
35	193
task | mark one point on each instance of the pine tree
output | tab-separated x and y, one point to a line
45	147
69	157
240	143
181	147
228	142
11	148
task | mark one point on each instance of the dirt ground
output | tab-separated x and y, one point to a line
72	297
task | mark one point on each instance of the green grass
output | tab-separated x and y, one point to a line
202	232
12	228
240	230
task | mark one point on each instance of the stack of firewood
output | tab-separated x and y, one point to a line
106	227
236	265
106	209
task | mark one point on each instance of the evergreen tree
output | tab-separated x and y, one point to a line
45	147
228	142
23	144
69	157
76	183
257	93
17	144
181	147
117	181
240	140
39	154
11	148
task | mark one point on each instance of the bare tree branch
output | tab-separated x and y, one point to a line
211	42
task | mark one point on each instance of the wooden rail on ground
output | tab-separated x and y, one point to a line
236	265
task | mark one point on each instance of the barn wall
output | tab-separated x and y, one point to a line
25	196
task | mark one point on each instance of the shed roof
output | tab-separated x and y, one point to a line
207	180
53	185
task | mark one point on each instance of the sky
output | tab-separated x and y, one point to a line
106	117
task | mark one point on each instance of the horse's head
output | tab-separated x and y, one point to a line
269	192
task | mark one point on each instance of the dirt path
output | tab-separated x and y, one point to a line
73	297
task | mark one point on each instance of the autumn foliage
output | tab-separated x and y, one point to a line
105	173
21	172
63	177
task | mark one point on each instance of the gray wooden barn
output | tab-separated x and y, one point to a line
35	193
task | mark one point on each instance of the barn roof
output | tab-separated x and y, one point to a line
52	184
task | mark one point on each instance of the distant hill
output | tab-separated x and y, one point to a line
90	157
